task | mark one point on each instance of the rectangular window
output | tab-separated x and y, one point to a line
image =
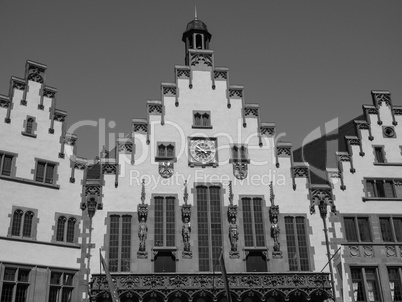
296	238
202	119
391	229
120	234
357	229
45	172
15	284
209	226
256	262
379	154
381	188
60	287
365	284
165	222
66	228
395	285
6	164
253	222
165	150
240	153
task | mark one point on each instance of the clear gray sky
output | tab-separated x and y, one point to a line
304	62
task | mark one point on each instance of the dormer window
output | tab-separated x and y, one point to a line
240	154
202	119
165	151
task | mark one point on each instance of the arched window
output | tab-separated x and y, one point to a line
17	219
27	227
29	126
161	150
235	152
70	229
170	151
198	41
205	120
61	222
197	119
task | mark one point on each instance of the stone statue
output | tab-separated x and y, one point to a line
142	234
186	230
233	236
275	231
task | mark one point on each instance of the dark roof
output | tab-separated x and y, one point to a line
94	172
196	26
320	153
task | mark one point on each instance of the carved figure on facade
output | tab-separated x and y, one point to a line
142	211
233	231
240	170
275	230
186	228
166	169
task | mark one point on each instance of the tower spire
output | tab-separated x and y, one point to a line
195	12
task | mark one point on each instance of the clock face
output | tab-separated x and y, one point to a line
203	150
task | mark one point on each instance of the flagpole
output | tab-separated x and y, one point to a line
100	267
224	276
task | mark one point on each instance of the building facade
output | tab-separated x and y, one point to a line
201	176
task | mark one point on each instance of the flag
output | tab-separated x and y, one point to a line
113	291
225	277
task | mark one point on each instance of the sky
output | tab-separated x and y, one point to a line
305	62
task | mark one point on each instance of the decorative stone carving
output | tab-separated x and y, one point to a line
354	251
201	58
398	111
240	170
109	169
220	75
59	116
166	169
23	102
70	139
368	251
19	85
125	146
4	103
169	90
140	127
36	74
186	228
142	210
390	251
321	197
93	190
49	93
155	109
183	73
382	98
248	111
275	230
233	231
301	172
235	93
269	131
283	151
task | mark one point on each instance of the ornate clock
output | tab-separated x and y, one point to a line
202	151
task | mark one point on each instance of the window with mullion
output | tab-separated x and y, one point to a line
386	229
296	239
365	284
60	287
158	221
6	161
357	230
382	188
45	172
165	222
15	284
22	223
120	242
170	221
247	222
395	284
61	224
209	216
253	222
397	222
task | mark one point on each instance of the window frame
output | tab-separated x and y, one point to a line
357	228
15	283
399	280
212	261
33	127
61	287
34	223
364	279
166	144
396	237
202	125
371	188
47	163
3	155
253	220
119	240
64	238
241	157
380	149
297	243
164	219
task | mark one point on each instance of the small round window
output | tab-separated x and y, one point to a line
389	131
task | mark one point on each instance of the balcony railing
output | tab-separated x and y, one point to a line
209	286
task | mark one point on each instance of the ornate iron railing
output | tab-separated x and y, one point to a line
164	286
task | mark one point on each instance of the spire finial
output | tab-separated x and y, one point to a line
195	12
185	196
230	193
272	195
143	191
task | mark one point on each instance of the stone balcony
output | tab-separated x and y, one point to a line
203	287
